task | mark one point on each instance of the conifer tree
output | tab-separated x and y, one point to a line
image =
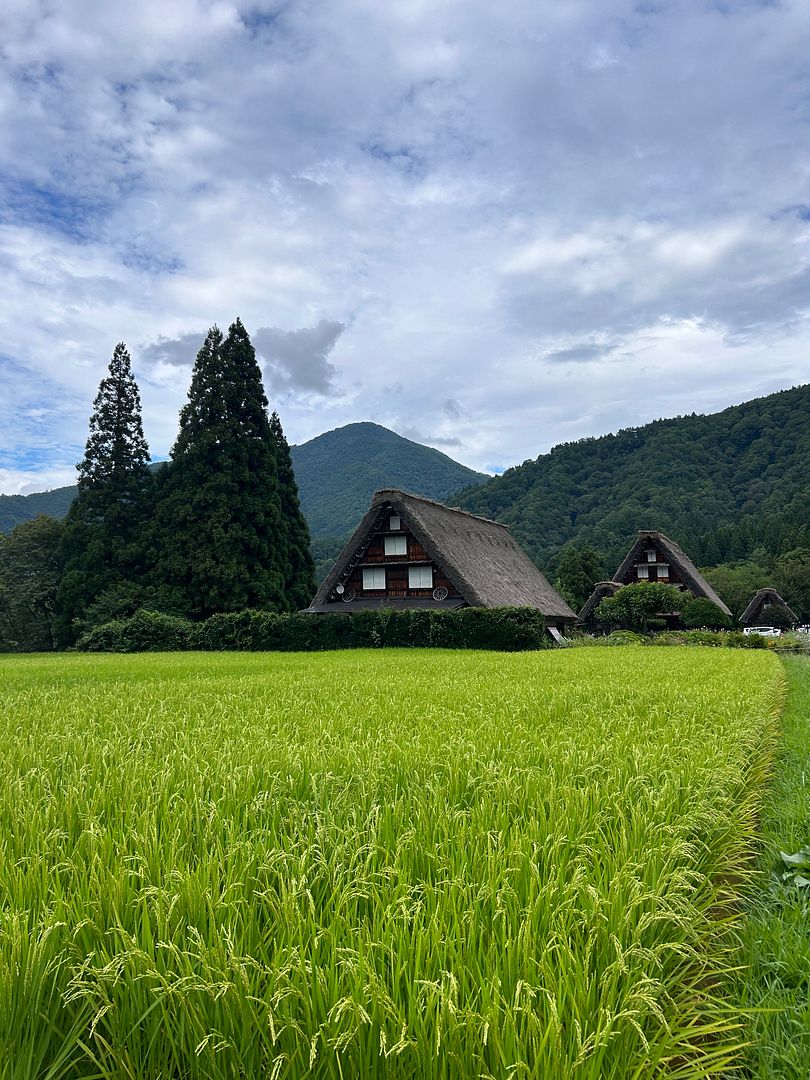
102	543
220	535
299	569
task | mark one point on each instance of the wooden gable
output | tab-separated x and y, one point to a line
391	564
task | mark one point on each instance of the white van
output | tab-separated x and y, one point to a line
763	631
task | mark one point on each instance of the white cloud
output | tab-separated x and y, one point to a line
507	207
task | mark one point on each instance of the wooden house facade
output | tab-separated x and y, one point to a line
411	552
653	557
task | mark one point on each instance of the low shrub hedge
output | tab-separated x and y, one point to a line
505	629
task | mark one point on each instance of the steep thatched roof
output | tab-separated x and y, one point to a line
765	598
687	571
600	590
485	564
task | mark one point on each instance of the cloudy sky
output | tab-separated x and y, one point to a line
489	226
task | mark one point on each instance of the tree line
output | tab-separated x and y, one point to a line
218	528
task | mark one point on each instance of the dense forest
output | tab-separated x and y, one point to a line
731	488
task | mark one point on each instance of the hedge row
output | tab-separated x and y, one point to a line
506	629
729	639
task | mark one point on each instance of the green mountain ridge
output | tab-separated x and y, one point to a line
336	472
719	484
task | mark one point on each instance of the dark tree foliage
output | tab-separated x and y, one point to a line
30	571
580	567
220	540
299	568
737	583
698	611
102	543
719	485
791	576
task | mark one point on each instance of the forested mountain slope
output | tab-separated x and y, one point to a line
720	485
336	472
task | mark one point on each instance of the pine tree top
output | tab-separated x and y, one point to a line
116	451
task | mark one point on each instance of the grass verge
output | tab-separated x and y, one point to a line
775	986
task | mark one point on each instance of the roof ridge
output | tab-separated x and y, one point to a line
434	502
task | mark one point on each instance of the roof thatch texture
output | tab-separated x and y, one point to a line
600	590
765	598
484	563
687	571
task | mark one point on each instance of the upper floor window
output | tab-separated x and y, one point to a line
394	522
643	572
396	545
663	570
650	553
420	577
374	577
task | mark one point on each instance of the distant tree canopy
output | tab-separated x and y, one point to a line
30	572
721	486
580	567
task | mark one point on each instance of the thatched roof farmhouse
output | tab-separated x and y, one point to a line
654	557
411	552
757	612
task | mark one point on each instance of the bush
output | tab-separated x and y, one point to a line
145	631
698	611
505	629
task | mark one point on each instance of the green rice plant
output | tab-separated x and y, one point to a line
397	863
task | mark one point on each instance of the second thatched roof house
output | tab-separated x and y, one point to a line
654	557
768	607
410	552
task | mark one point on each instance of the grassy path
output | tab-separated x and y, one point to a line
777	936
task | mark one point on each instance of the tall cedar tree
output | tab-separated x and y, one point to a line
102	546
299	569
221	536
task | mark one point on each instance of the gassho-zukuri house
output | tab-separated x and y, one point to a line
766	604
653	557
411	552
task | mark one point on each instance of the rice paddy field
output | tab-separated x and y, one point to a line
377	864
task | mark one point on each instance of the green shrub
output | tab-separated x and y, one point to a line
505	629
697	611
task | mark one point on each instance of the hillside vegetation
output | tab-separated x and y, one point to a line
337	473
721	485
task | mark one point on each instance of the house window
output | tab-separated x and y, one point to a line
643	572
374	577
420	577
662	570
650	553
394	523
396	545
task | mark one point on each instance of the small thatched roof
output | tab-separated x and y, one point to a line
485	564
687	570
765	598
600	590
